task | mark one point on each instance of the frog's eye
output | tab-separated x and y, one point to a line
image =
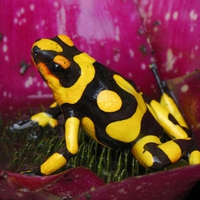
56	69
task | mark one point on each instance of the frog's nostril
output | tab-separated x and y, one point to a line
35	49
36	54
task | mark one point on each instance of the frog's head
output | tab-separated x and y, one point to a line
54	60
66	70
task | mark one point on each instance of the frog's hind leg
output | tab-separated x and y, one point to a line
176	131
149	150
151	153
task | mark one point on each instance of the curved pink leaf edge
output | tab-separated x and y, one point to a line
81	183
72	182
176	184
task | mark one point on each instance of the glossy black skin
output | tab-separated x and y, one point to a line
87	104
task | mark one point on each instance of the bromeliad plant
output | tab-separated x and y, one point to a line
35	145
117	45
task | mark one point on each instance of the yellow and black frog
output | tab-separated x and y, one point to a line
108	107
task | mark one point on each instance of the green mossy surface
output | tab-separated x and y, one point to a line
27	150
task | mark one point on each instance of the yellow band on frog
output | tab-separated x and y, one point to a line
48	44
89	127
171	106
144	157
116	129
74	93
44	119
162	116
53	105
172	150
71	134
53	163
66	40
194	157
125	85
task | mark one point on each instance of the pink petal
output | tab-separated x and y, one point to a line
174	29
173	184
70	183
114	35
186	90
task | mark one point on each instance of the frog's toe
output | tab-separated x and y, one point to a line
194	157
32	172
22	125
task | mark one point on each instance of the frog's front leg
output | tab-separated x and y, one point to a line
60	158
48	117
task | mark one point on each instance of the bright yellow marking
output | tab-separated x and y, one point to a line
71	134
43	119
173	130
109	101
74	93
88	126
127	130
151	111
66	40
171	106
48	45
172	150
62	61
124	84
53	163
53	122
194	158
144	157
53	105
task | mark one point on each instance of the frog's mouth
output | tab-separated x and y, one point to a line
40	59
39	56
42	76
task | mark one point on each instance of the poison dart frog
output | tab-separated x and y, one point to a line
109	108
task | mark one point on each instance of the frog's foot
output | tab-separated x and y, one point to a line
44	119
194	157
151	153
23	125
32	172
